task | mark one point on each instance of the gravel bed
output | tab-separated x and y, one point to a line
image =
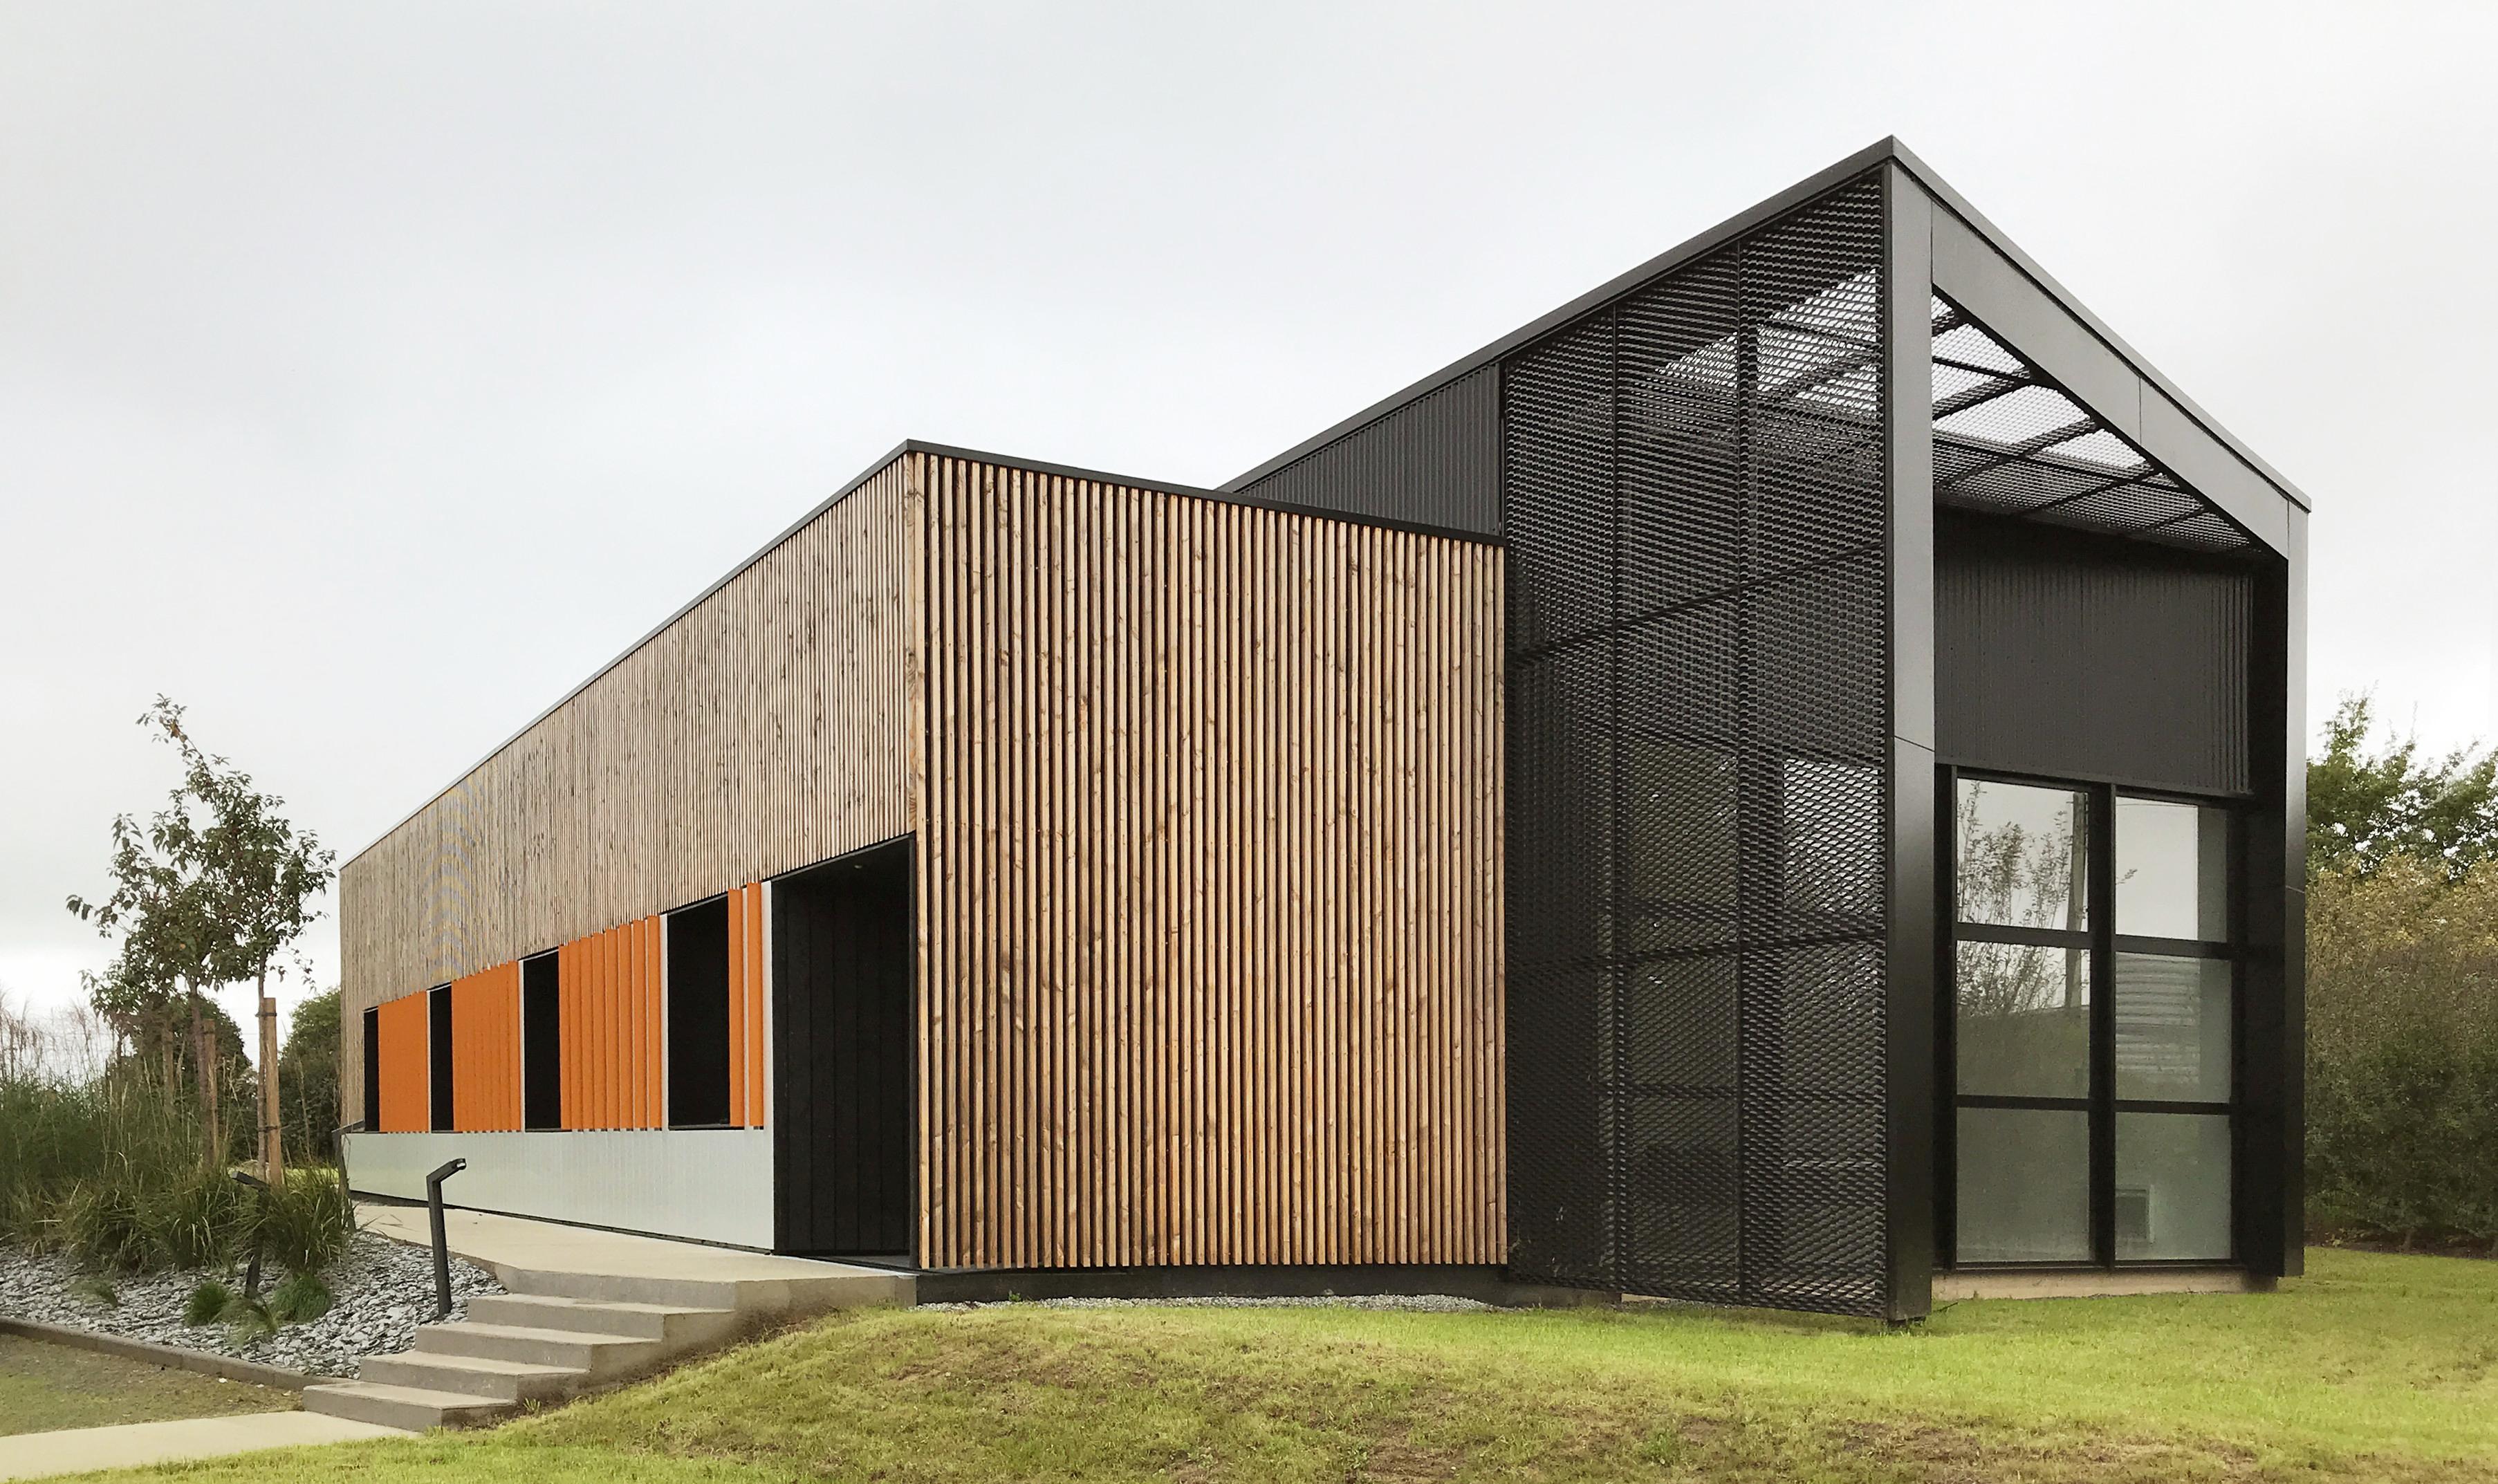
1424	1303
384	1291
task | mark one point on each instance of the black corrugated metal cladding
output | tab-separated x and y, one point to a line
1433	461
2067	655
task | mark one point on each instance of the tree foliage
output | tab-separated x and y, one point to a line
211	890
308	1078
2402	1049
2370	800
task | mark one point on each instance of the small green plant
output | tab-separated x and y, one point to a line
208	1302
96	1288
299	1300
248	1320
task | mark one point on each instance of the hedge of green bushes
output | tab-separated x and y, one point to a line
2402	1053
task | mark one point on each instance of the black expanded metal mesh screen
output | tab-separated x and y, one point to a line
1695	510
2009	442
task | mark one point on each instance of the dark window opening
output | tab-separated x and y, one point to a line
437	1012
2094	1027
541	1043
698	1016
373	1070
840	1055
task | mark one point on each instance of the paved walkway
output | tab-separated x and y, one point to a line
495	1242
39	1455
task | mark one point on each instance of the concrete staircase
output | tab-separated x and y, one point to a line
561	1331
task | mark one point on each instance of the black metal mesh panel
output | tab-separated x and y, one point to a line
1694	501
2009	443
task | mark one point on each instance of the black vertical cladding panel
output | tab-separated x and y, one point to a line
438	1061
1432	462
698	1016
2076	655
373	1062
842	1055
1696	513
541	1043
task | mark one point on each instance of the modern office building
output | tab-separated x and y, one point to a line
1778	782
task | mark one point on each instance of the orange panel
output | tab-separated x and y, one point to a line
406	1094
602	1033
484	1025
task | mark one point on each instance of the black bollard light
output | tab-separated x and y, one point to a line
251	1269
441	1244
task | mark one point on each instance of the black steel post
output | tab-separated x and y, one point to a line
251	1269
441	1244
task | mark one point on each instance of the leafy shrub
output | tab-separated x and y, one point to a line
299	1300
2402	1052
208	1302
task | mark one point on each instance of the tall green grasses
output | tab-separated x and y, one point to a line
108	1172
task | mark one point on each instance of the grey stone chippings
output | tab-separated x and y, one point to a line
382	1289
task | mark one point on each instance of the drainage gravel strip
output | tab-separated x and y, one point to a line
383	1292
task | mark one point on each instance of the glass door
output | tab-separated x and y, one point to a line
2093	1037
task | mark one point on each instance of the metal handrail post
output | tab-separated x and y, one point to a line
441	1242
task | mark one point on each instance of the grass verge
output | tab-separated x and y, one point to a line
47	1387
2374	1367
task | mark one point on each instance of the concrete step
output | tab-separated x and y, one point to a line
410	1408
603	1356
673	1324
474	1375
839	1288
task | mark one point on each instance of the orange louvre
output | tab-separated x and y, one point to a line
746	1006
486	1050
608	984
407	1093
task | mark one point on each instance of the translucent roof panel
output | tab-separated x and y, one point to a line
2008	443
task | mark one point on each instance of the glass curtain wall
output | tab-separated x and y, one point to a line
2093	1041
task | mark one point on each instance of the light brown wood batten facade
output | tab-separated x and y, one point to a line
1210	888
768	727
1208	802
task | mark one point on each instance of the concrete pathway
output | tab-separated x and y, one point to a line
40	1455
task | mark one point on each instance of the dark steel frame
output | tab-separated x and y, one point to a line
1937	245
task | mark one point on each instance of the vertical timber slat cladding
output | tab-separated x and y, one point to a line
1210	890
767	728
408	1088
486	1041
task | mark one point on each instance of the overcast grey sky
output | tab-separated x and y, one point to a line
369	373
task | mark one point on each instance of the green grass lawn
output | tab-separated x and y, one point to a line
44	1387
2373	1367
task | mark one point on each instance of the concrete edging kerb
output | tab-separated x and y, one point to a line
173	1356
